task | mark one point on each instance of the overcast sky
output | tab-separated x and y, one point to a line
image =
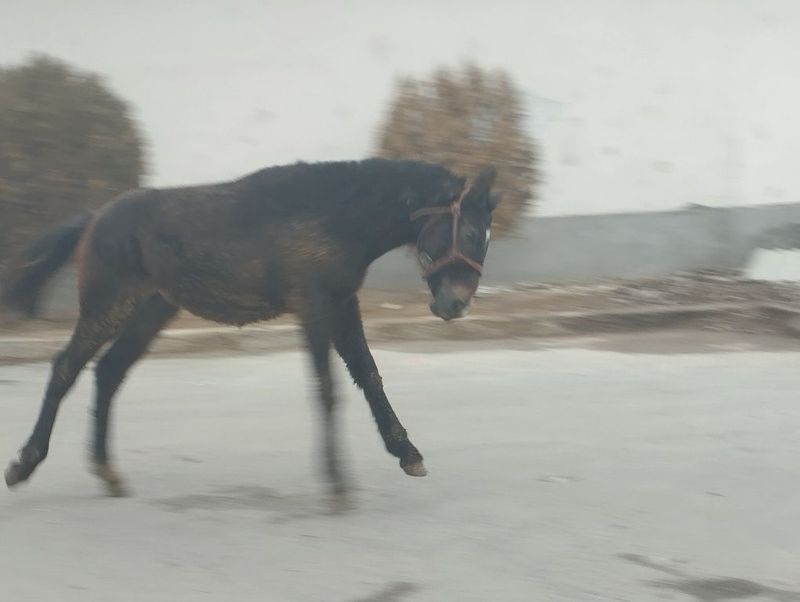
637	104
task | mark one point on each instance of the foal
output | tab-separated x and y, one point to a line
296	239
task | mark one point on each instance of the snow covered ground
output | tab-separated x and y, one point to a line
774	265
582	470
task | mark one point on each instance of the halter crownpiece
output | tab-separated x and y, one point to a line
453	254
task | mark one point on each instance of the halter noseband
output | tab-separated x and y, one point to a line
453	254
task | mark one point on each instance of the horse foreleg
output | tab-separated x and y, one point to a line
316	320
348	336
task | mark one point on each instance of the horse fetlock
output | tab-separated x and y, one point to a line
402	448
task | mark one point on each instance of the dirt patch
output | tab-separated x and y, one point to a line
683	289
704	301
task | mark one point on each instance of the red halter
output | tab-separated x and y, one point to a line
453	254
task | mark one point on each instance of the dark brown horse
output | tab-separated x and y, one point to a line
295	239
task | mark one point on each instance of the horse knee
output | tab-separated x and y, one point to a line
374	381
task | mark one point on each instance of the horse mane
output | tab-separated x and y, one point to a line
329	186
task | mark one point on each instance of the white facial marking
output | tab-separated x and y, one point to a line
488	235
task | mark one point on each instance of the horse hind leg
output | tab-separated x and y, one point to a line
137	334
104	308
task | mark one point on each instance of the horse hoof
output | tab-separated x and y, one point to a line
339	503
116	489
114	484
417	469
12	475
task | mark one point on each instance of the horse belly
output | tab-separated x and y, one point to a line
225	300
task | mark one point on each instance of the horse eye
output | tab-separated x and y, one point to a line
425	259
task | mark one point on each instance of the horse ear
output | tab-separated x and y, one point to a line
485	180
480	194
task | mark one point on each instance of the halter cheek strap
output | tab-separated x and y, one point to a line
453	254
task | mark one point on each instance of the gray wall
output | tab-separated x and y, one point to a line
554	249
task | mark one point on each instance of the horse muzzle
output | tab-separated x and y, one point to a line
449	309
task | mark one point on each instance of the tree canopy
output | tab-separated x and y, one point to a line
465	119
67	143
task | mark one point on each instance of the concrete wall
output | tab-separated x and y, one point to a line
554	249
587	247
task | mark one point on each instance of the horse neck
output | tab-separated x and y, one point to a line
389	230
390	225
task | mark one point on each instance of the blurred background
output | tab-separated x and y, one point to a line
675	120
628	431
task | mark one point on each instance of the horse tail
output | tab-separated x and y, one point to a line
24	280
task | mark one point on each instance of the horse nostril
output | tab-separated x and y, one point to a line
457	305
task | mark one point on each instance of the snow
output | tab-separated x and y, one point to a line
572	471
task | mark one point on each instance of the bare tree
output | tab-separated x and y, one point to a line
66	143
465	119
